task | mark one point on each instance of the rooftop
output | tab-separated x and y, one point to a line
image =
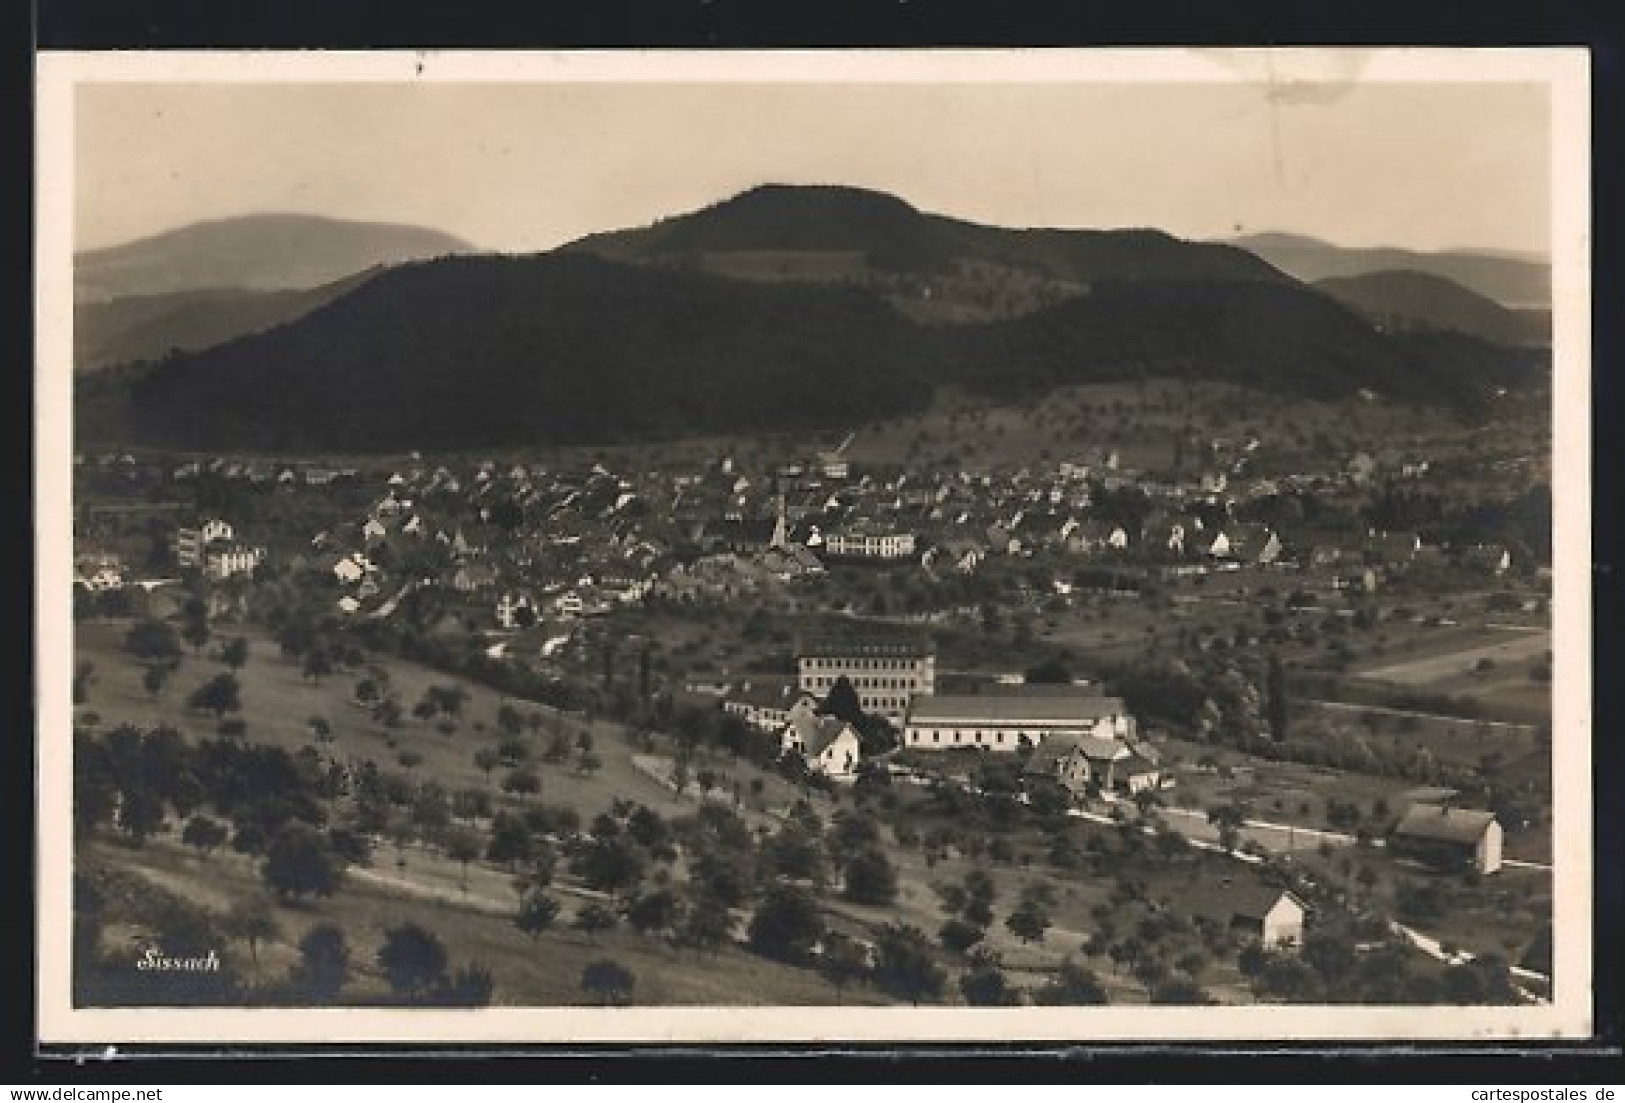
1015	708
864	648
1444	823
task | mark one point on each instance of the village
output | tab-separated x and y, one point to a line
1301	667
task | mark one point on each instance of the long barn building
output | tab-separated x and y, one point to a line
1007	721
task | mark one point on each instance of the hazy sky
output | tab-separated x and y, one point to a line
521	167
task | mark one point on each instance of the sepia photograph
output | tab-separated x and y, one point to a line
884	546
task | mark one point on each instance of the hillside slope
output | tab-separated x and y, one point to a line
570	348
145	327
1419	300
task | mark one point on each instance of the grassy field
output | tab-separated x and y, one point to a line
532	973
278	703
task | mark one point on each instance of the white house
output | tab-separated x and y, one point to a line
349	570
828	744
1272	916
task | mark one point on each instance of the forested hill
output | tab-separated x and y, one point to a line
932	267
566	347
1420	300
467	352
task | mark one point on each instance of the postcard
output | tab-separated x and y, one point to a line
1064	546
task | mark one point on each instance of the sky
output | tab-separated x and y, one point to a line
521	167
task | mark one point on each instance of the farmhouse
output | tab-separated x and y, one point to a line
827	743
1449	838
886	674
1273	916
1008	721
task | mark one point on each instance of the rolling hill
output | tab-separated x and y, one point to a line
930	267
567	347
262	252
476	351
1397	300
146	327
1516	282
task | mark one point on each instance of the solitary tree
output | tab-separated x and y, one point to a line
1029	921
252	921
462	847
870	878
985	985
153	679
608	982
301	862
412	959
905	966
537	911
1073	985
219	695
318	664
324	961
234	653
204	834
786	926
958	936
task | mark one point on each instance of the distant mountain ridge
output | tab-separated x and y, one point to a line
1397	300
260	252
1514	281
931	267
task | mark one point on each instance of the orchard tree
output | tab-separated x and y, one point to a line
1073	986
958	936
252	921
1029	921
234	653
153	679
653	913
537	911
870	878
905	966
413	960
985	985
608	982
324	962
317	665
204	835
462	846
301	862
786	925
219	695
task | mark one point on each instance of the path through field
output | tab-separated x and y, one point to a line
1434	668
